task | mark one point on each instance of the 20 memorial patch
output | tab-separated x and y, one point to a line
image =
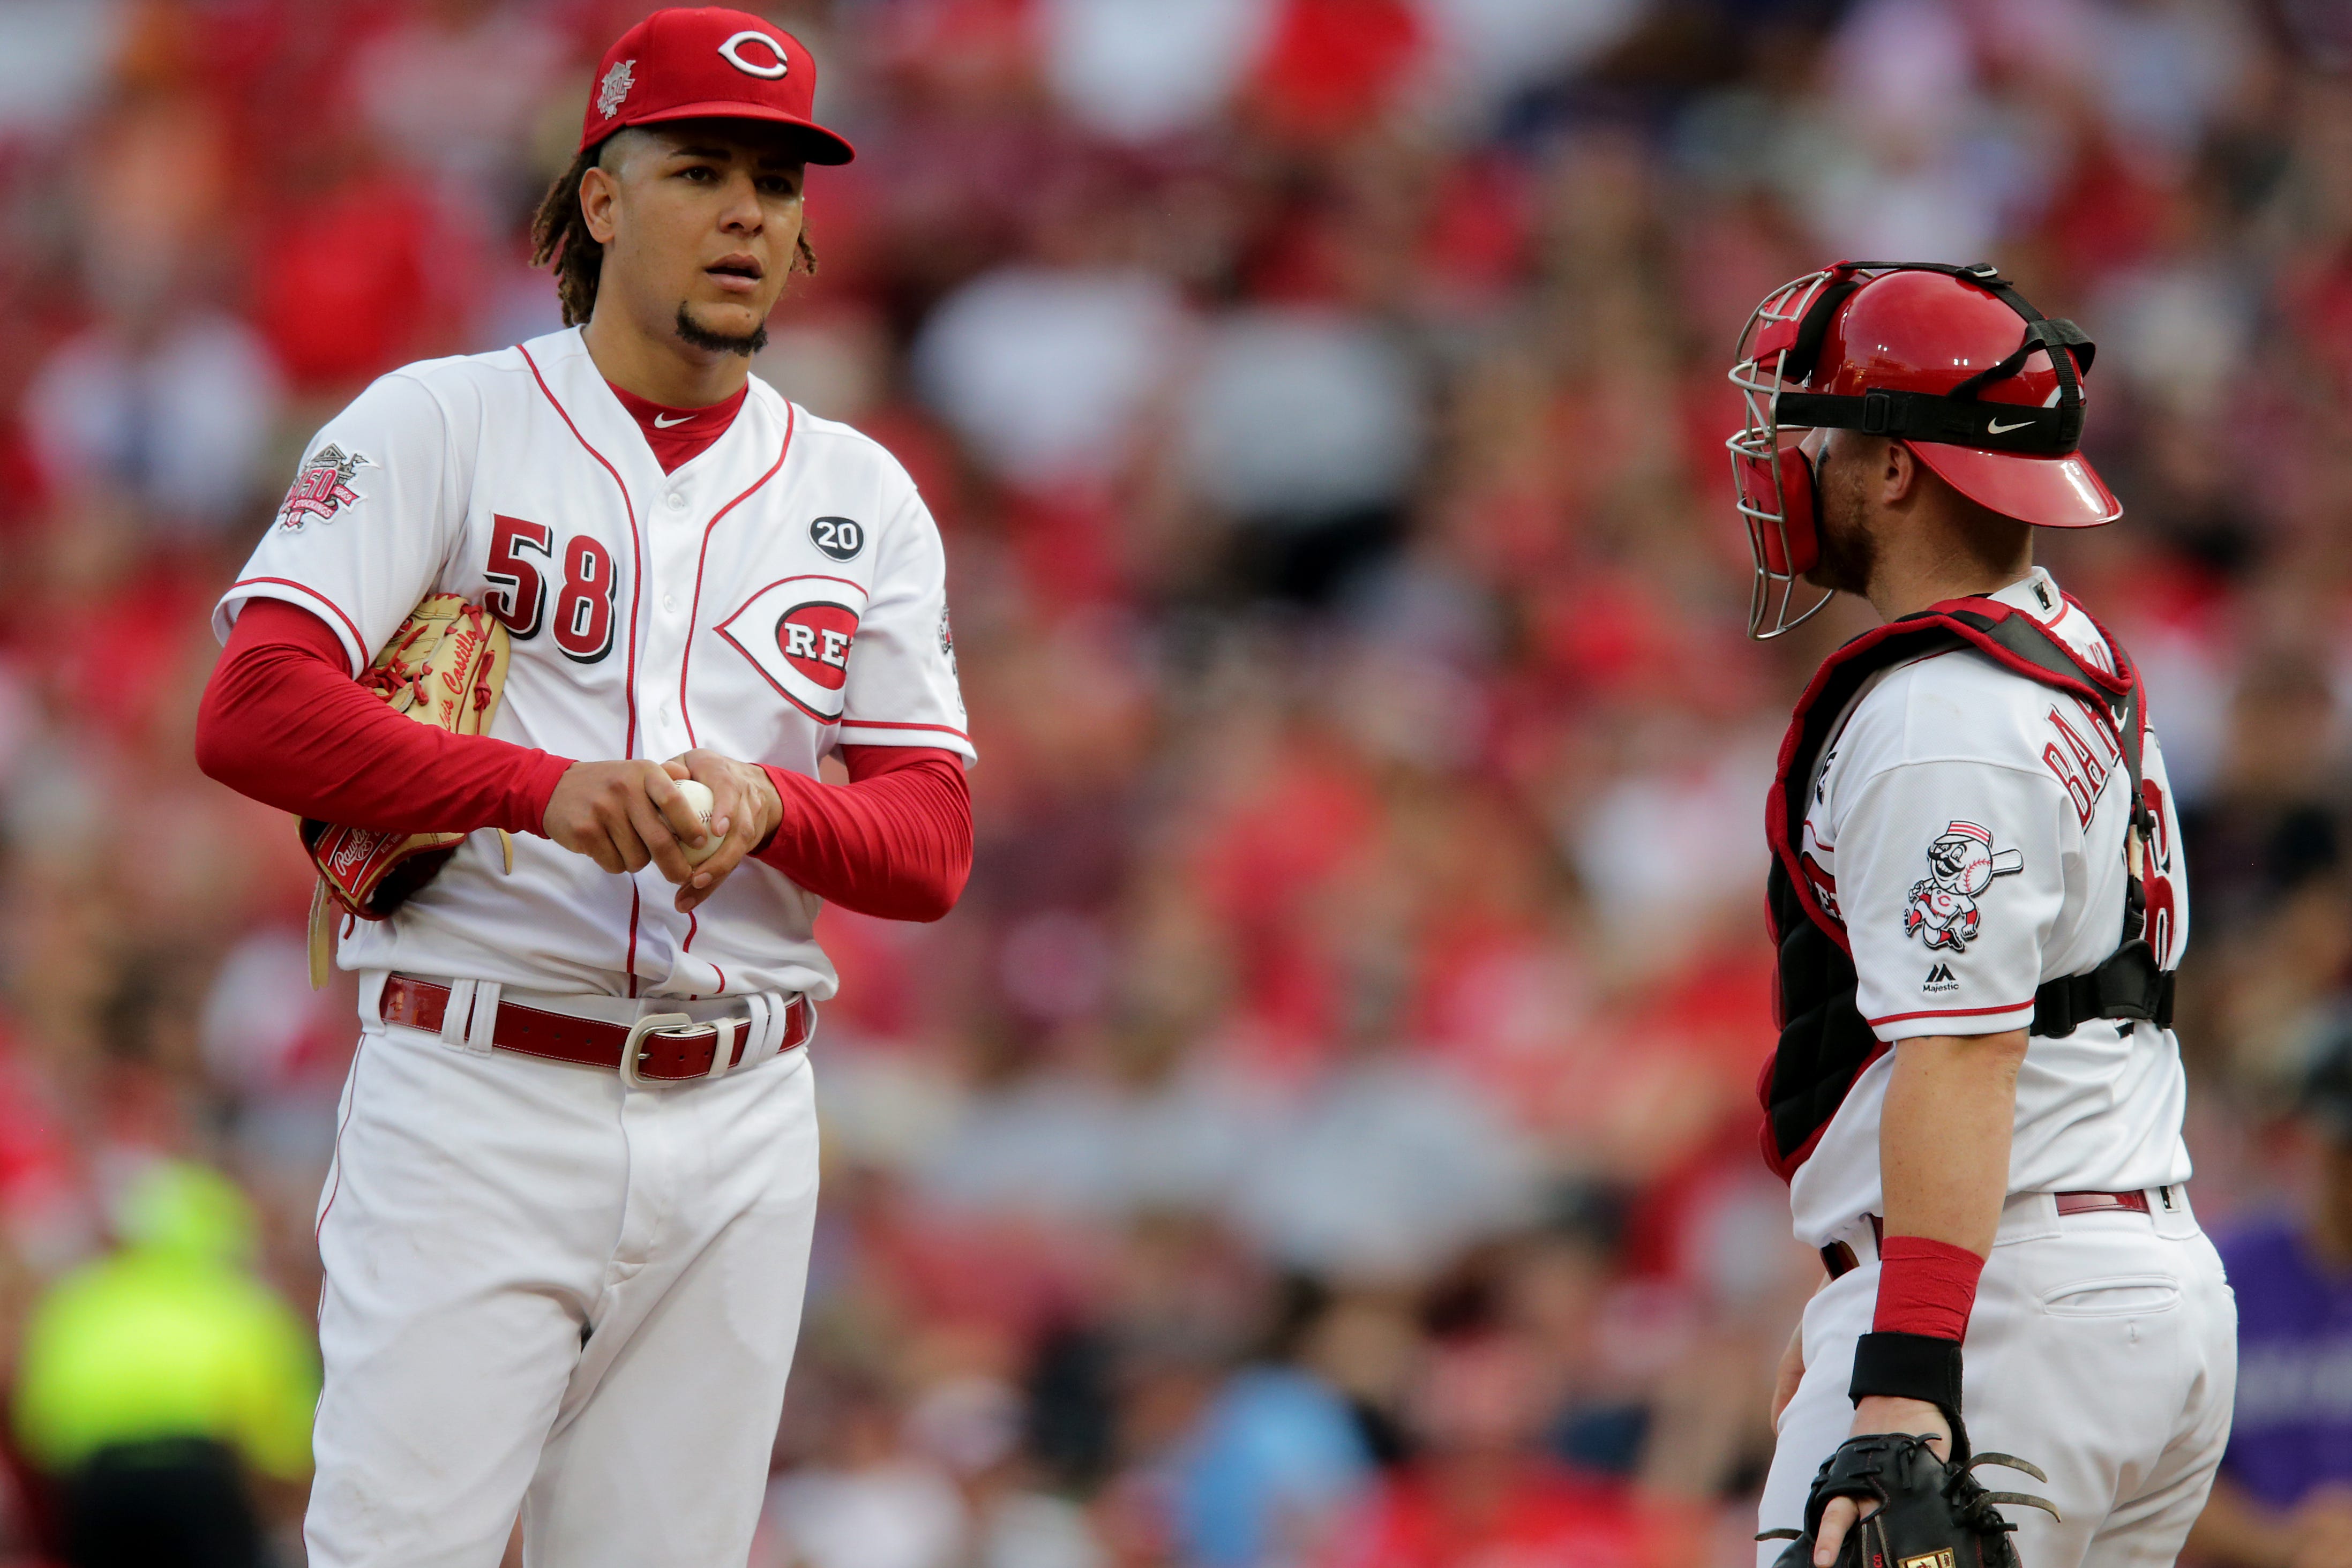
797	633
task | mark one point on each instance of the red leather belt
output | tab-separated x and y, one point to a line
663	1055
2100	1202
1839	1258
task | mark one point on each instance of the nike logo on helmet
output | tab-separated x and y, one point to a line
1992	426
662	422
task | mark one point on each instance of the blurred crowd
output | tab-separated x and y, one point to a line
1324	1136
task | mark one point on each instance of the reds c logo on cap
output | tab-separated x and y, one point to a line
709	62
731	51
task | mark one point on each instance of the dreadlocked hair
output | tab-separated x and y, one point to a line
560	237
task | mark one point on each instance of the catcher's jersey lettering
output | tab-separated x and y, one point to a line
1966	826
780	594
2081	770
2167	910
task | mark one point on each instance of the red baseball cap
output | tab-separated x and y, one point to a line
706	62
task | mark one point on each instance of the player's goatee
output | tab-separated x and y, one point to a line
694	334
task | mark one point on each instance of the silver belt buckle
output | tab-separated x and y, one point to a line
652	1023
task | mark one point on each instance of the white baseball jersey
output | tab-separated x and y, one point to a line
781	593
1966	825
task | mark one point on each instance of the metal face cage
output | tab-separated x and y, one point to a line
1758	484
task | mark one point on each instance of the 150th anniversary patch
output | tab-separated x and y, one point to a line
322	486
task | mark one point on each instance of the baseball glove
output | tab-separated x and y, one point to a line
1931	1513
445	667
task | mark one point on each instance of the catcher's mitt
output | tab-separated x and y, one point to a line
1931	1513
445	667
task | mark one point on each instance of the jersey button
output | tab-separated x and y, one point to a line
677	503
669	603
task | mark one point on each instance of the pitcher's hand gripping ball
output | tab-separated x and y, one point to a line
447	666
699	800
1931	1513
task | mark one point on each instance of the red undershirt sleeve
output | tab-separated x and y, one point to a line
895	842
283	722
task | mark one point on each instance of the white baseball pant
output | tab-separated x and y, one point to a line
2103	1348
547	1290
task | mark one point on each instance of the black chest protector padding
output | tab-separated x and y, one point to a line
1824	1042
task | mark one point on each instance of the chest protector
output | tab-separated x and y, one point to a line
1824	1043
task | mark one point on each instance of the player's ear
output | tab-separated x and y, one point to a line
599	191
1900	473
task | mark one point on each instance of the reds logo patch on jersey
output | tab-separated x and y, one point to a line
322	487
648	612
1961	863
798	633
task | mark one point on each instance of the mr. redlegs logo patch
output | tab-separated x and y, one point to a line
797	633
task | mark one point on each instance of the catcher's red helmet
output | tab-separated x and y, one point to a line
1924	351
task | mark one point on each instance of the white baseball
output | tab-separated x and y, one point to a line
699	800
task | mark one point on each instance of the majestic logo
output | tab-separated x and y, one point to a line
322	487
1940	979
615	89
797	633
840	538
731	51
947	640
1961	863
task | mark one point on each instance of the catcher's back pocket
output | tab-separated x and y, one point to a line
2113	1296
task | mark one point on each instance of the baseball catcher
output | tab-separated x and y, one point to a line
1979	905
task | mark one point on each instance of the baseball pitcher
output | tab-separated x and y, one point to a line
567	1227
1979	903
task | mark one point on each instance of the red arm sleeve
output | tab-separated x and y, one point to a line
283	722
895	842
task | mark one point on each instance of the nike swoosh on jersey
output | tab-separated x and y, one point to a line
662	422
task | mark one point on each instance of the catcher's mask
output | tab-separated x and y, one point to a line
1924	352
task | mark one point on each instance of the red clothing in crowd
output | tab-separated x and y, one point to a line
1546	1517
283	722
